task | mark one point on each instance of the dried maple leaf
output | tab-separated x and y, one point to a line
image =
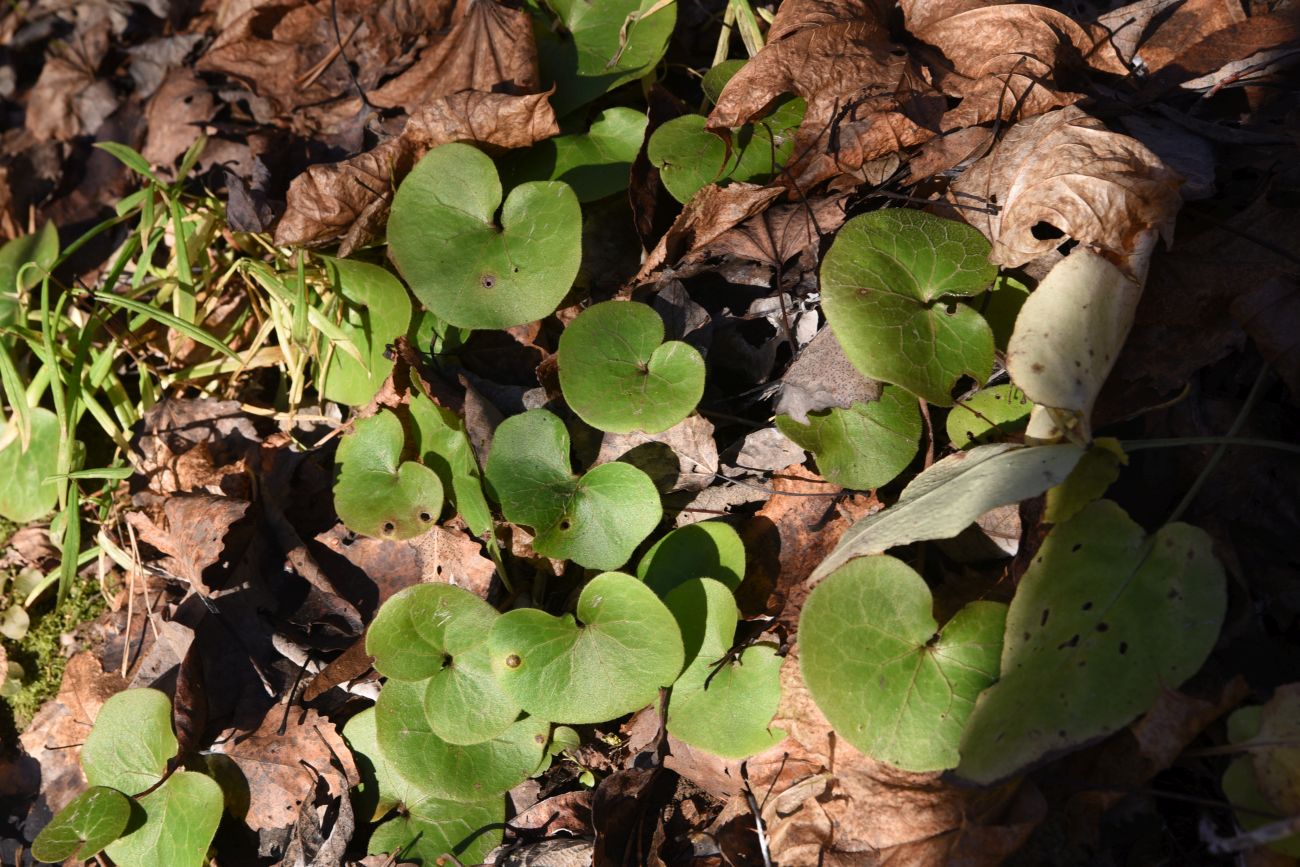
175	116
276	764
1067	171
490	48
866	98
349	201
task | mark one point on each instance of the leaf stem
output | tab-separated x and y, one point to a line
1140	445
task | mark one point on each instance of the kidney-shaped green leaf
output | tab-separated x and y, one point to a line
131	742
376	311
444	448
466	269
1105	618
181	818
619	375
596	520
455	772
888	287
862	447
24	494
890	682
723	709
596	163
627	647
989	414
377	493
93	819
708	549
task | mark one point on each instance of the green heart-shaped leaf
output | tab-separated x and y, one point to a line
627	647
25	496
716	78
689	157
40	249
453	772
865	446
1104	620
596	520
989	414
618	375
596	163
437	826
732	715
887	287
708	549
444	447
131	742
181	818
92	820
377	493
889	681
603	47
437	633
376	311
444	238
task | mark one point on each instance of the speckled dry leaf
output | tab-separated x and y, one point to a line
709	214
865	97
175	116
821	377
1188	24
1066	170
444	555
275	765
349	200
685	455
490	48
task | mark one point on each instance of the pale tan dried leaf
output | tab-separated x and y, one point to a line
1124	28
1190	22
349	201
919	14
682	458
865	96
175	116
822	377
1068	171
707	216
948	151
490	48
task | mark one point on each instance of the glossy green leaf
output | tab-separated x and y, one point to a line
989	414
613	659
377	493
947	498
468	270
888	679
377	310
619	375
889	288
181	818
865	446
1096	471
25	496
716	78
92	820
708	549
454	772
595	163
1104	620
589	56
596	520
443	446
732	716
131	742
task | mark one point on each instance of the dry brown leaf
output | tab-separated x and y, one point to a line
1187	24
865	97
276	765
1270	313
822	377
682	458
1236	41
443	555
69	99
349	201
490	48
175	116
1123	29
1066	170
195	535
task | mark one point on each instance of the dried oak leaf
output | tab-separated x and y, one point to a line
195	535
349	201
490	48
1066	170
276	765
866	98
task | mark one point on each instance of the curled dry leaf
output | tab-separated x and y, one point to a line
490	48
1064	169
195	535
349	201
865	97
709	214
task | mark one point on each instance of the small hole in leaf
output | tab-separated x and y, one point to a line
1103	626
513	661
1043	620
1087	606
539	739
1073	642
1076	547
565	524
1044	231
389	527
426	517
487	281
1123	648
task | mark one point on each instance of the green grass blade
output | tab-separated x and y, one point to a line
198	335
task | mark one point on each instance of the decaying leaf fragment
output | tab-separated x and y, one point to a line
1065	171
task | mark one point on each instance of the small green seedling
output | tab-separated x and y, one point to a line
595	163
444	238
1105	610
596	519
890	289
377	493
888	679
623	646
26	491
619	375
376	311
709	549
862	447
437	634
719	705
